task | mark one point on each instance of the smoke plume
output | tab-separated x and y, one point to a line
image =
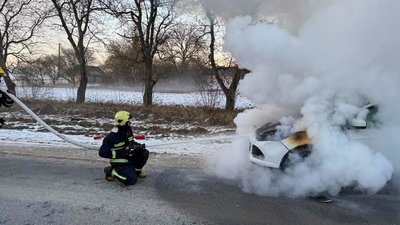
287	13
344	56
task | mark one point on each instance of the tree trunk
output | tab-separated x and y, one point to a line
148	83
230	93
82	85
230	100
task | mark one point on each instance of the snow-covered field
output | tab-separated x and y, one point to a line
123	95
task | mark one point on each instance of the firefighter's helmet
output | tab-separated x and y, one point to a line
121	118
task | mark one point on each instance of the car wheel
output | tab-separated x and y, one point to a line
294	156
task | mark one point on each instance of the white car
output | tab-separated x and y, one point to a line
266	151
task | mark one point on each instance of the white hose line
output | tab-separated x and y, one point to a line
65	138
229	137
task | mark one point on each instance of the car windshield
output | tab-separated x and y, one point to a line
267	131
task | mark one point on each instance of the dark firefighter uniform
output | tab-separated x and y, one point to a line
127	157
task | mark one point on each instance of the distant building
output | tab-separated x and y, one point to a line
95	74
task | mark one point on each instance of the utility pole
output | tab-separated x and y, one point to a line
59	61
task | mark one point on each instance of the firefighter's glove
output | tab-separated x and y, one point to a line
136	145
5	100
136	148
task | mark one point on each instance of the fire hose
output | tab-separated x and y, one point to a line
41	122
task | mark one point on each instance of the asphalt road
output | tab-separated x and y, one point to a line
49	187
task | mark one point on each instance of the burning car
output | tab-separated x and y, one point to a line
270	149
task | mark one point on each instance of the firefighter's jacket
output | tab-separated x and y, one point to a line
116	147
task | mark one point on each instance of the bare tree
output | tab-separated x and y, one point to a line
209	91
49	64
18	22
123	62
228	86
185	43
150	20
38	71
69	67
76	20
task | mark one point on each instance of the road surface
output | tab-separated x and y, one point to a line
67	186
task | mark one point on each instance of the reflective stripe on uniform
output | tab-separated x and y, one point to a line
119	144
115	174
118	160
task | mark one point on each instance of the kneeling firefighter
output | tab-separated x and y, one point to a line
127	157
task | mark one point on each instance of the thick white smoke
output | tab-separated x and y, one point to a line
287	13
343	57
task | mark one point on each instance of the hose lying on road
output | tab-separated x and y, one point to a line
221	138
34	116
69	140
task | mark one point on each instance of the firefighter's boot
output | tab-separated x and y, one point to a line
141	174
108	173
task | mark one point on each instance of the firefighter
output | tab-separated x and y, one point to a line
127	157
